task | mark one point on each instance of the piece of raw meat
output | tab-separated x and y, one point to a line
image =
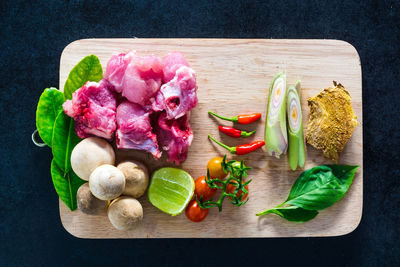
93	108
115	70
178	96
171	63
134	130
137	78
175	137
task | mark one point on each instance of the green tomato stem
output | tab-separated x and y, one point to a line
235	179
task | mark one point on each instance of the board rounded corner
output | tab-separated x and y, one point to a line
65	226
69	46
350	46
352	228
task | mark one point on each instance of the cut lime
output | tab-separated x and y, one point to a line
171	190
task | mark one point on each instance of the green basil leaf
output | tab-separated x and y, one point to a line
66	185
49	106
321	186
64	140
88	69
292	213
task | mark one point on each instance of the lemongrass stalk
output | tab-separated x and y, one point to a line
275	126
297	153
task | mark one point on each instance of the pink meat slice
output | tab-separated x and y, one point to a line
93	107
115	70
138	78
171	63
175	137
178	96
134	129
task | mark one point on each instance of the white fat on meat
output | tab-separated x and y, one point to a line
178	96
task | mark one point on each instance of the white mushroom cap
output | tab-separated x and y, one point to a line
107	182
125	213
136	178
90	153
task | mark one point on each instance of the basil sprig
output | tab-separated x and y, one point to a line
315	189
57	130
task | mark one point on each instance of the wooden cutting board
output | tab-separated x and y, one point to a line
233	76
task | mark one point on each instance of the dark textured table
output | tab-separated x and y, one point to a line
32	37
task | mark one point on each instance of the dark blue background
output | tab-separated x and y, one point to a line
32	37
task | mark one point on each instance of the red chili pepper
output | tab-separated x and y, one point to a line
247	148
241	149
241	119
234	132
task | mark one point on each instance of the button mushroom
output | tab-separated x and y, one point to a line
136	178
87	202
125	213
90	153
107	182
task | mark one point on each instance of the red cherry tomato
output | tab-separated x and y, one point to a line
202	189
194	212
230	188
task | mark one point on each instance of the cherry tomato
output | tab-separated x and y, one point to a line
194	212
230	188
215	168
202	189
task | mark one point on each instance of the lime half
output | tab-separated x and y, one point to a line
171	190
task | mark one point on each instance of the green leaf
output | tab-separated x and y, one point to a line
64	140
66	185
49	106
292	213
321	186
88	69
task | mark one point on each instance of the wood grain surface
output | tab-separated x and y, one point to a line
233	76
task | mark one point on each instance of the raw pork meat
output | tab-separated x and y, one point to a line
138	78
175	137
178	96
93	109
115	70
134	129
171	63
